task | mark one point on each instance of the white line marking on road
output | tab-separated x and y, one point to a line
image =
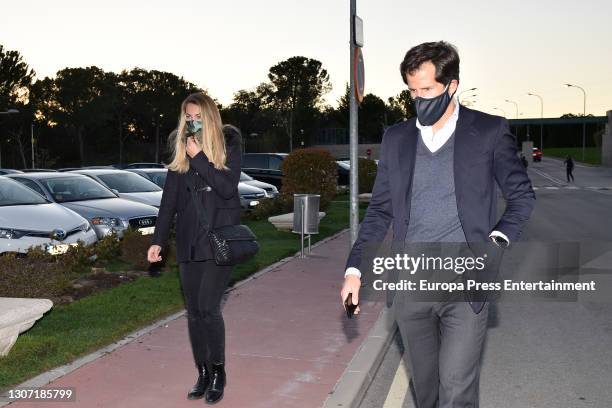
552	188
399	387
548	176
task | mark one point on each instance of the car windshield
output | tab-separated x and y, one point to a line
14	193
64	189
128	182
245	177
158	177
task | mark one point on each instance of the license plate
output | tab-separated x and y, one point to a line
146	230
60	248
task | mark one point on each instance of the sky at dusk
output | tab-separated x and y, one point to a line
507	48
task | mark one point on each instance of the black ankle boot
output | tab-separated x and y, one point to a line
202	384
217	383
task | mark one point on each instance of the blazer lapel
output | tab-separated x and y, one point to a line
466	144
406	155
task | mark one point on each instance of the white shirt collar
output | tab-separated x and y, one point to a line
437	140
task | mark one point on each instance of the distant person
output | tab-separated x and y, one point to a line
524	160
436	183
206	158
569	168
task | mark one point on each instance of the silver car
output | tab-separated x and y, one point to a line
270	189
250	193
126	185
104	210
155	175
27	220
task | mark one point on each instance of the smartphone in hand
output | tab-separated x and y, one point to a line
350	307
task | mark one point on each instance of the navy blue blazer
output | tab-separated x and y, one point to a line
485	153
218	195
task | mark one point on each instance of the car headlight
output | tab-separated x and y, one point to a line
85	226
8	233
108	221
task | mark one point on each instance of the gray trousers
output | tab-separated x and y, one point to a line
443	343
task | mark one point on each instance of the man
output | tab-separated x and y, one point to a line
436	183
569	168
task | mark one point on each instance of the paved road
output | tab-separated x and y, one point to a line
541	354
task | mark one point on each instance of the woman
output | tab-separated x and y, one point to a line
204	171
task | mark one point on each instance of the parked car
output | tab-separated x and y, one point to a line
536	154
126	184
9	171
344	172
28	219
264	167
144	166
38	170
270	189
104	210
85	167
157	176
250	195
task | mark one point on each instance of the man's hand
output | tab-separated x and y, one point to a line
352	284
192	147
153	253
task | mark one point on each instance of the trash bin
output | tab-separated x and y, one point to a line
306	217
310	202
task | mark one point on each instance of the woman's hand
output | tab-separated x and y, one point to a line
153	254
192	147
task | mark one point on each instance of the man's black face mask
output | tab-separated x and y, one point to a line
430	110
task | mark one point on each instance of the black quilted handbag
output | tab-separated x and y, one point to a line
231	244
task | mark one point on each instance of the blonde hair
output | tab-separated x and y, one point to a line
213	140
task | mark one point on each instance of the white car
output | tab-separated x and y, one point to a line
126	185
28	219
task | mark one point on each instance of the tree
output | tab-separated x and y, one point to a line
78	99
15	78
148	103
402	105
15	81
298	86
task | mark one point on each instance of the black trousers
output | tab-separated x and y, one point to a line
203	285
568	173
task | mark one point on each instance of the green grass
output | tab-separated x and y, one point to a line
592	155
70	331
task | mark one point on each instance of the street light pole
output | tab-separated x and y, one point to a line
32	139
583	116
515	107
500	109
541	117
467	90
467	97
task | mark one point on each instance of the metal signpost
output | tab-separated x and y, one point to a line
355	96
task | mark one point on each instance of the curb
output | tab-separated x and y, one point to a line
359	374
48	376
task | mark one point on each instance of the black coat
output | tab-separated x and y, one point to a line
218	194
